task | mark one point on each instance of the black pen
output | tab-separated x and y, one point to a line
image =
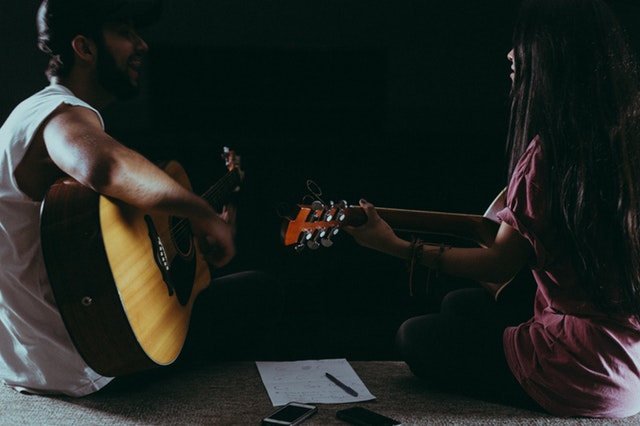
344	387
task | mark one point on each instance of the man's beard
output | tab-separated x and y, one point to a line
114	80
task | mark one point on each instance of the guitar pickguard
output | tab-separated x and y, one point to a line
177	273
183	265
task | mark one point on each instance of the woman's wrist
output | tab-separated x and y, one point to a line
432	256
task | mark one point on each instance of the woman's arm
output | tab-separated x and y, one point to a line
498	263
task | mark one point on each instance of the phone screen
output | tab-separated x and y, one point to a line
289	413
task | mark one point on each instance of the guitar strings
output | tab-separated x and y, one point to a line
227	181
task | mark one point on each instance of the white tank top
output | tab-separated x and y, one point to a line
36	352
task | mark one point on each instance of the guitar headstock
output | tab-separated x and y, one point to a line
314	225
232	161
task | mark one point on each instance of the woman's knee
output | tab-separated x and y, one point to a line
415	337
468	302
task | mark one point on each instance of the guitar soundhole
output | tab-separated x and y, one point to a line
182	236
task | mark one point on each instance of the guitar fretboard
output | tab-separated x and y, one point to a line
223	187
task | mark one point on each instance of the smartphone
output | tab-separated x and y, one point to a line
363	417
291	414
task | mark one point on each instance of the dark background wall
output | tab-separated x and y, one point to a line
401	102
339	91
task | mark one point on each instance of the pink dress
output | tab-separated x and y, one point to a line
571	358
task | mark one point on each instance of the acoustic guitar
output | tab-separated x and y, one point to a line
316	224
125	280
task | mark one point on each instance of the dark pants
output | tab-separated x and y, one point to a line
459	349
234	319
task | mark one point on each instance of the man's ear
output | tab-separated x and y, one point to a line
84	47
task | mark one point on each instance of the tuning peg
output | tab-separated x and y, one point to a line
340	215
328	215
316	210
340	208
303	240
327	240
318	235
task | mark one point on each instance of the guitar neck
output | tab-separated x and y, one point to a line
475	228
224	187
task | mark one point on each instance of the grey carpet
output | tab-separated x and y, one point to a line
233	394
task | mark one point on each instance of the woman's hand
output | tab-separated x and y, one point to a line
375	233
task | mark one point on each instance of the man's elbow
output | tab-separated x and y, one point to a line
97	176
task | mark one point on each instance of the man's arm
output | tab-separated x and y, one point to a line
79	146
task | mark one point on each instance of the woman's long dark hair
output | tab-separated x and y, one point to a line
576	87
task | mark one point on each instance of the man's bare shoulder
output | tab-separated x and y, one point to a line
73	117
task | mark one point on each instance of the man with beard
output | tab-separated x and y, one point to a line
95	58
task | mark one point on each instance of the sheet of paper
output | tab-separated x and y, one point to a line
306	381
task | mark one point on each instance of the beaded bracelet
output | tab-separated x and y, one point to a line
437	265
415	256
437	262
416	251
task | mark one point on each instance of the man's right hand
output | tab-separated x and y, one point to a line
215	239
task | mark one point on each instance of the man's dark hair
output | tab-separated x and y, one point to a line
59	21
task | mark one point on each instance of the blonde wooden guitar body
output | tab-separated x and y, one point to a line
158	318
124	280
